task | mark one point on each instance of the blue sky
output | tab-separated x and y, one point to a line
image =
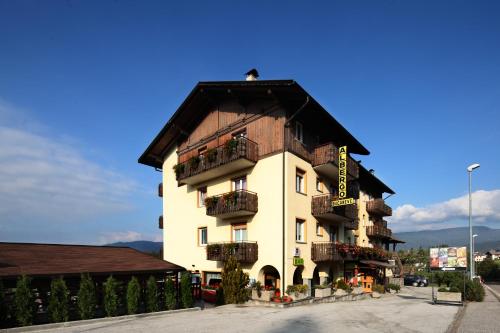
86	85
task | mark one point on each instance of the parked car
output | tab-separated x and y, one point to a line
416	281
209	291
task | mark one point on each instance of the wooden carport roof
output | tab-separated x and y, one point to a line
39	260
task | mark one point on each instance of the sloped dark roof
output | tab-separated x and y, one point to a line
367	180
35	259
205	93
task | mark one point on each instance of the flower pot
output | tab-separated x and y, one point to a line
325	292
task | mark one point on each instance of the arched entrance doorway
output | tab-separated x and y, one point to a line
297	275
269	277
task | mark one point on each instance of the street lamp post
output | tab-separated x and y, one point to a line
473	266
470	168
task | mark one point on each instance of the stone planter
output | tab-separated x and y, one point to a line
298	296
445	296
340	292
265	295
375	294
357	291
319	293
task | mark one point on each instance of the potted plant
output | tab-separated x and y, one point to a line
194	162
323	290
178	169
211	155
230	146
298	290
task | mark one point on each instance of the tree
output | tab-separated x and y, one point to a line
133	295
169	294
111	296
24	301
58	300
86	297
151	295
186	293
489	270
4	310
234	282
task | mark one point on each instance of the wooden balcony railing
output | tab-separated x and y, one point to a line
160	222
245	252
324	251
378	207
351	225
322	204
331	251
231	150
232	203
328	153
378	231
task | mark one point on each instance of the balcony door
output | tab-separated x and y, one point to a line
240	183
332	233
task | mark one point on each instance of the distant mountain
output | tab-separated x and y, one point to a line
487	239
143	246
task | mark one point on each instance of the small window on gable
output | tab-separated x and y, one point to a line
240	183
240	134
319	185
299	131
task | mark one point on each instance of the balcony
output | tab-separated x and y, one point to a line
232	204
325	160
321	207
378	231
245	252
234	155
160	222
331	251
351	225
324	251
378	207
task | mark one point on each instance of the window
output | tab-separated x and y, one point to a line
202	236
240	134
240	232
332	233
318	229
202	195
319	186
300	181
300	231
240	183
212	278
299	132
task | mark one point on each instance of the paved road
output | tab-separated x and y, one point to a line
411	311
481	317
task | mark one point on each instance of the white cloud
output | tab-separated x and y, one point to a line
120	236
43	177
485	208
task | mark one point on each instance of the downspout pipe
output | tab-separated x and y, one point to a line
287	124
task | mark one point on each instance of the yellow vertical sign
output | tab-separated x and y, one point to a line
342	172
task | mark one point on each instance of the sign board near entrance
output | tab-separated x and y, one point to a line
298	261
343	200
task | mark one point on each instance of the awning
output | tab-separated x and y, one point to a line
377	263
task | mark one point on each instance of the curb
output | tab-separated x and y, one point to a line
455	324
77	323
497	295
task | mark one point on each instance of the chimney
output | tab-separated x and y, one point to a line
371	171
252	75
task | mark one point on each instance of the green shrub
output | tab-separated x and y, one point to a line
58	301
169	294
25	307
86	297
443	289
378	288
4	310
454	290
341	284
297	289
111	301
186	292
474	291
489	269
234	282
258	287
395	287
151	295
133	295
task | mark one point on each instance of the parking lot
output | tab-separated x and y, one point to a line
409	311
